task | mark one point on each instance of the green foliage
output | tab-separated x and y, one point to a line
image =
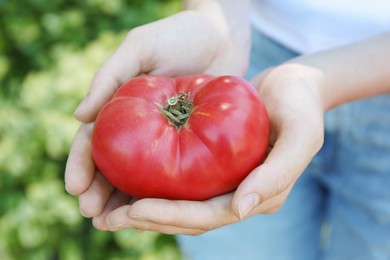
49	51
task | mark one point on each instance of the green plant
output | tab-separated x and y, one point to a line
49	51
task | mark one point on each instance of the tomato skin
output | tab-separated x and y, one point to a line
144	155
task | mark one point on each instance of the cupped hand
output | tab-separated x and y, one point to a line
292	94
183	44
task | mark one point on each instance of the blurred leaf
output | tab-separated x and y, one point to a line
49	52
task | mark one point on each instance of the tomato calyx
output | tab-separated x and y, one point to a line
178	109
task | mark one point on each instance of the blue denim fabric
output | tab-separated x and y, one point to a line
340	207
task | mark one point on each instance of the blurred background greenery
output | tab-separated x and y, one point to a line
49	51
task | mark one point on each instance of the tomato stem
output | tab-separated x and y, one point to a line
178	109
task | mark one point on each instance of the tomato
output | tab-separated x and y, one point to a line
190	137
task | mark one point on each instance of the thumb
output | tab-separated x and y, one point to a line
267	187
120	67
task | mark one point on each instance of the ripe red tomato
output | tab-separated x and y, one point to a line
192	137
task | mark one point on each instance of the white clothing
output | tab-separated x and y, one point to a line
308	26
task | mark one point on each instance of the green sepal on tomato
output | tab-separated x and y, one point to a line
190	138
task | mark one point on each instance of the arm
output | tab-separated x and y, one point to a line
347	73
353	72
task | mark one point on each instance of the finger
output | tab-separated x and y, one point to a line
122	220
206	215
80	168
166	229
93	200
173	230
116	200
289	157
123	65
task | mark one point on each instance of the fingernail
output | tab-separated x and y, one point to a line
247	204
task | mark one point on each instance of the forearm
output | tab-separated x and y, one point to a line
352	72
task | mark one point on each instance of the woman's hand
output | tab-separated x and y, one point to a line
189	42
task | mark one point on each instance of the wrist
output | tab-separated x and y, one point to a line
287	76
231	20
